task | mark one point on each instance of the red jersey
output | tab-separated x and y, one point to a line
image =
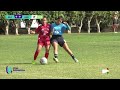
43	30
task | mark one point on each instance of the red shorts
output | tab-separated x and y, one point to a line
44	41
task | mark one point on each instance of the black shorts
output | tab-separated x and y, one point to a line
59	39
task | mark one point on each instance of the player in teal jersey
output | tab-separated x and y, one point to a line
57	30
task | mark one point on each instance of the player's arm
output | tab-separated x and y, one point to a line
67	26
37	30
50	33
51	30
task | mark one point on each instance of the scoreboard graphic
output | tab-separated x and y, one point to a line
23	16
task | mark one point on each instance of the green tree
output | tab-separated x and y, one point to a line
80	15
16	21
5	23
89	15
28	21
99	17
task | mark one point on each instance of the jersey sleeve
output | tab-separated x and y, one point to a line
67	27
38	29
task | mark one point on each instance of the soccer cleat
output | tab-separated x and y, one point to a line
56	60
75	60
33	62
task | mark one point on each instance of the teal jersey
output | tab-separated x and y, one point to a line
59	29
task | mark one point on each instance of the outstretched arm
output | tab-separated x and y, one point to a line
37	30
67	26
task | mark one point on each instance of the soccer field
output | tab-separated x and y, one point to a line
94	52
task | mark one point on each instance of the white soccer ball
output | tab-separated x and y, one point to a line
43	60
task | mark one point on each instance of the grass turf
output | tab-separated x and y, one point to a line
94	52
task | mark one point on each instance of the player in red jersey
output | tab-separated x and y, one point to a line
43	38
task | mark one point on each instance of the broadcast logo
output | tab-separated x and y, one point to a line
9	69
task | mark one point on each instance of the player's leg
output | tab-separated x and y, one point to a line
67	49
39	47
47	48
54	43
55	49
115	28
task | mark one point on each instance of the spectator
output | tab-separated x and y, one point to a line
115	23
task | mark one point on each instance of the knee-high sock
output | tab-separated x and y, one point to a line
46	55
56	55
36	54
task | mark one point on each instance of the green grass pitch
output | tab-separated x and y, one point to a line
94	52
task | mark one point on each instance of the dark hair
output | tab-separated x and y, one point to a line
60	17
43	17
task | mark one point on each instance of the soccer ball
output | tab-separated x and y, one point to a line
43	60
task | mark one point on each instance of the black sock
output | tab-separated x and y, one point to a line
73	57
56	55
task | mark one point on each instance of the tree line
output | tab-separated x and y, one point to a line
87	19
